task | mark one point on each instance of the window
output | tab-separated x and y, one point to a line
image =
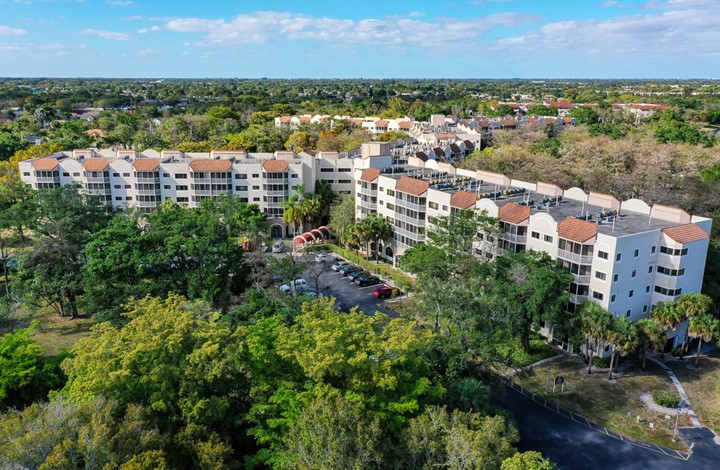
548	238
182	200
256	175
615	277
125	175
645	308
535	235
127	186
433	205
636	253
255	188
627	314
181	187
618	257
64	174
612	298
445	208
668	292
652	250
647	289
166	186
343	170
673	251
650	269
116	175
241	188
631	293
118	198
180	176
634	273
598	295
294	175
600	275
670	272
344	181
256	199
390	192
117	186
78	174
390	206
603	255
165	175
128	198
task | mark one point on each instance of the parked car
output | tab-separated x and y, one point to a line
278	247
312	294
348	272
384	292
300	286
349	267
340	264
325	258
363	281
357	274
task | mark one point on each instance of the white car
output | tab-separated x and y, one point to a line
300	285
325	258
278	247
336	267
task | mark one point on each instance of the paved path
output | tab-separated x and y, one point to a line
684	400
575	445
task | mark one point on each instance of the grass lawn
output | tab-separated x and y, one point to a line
607	403
700	385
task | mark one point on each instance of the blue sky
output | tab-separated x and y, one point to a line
352	39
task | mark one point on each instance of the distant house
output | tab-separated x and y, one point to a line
641	110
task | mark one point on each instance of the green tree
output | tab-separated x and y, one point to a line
342	218
176	359
595	323
542	110
298	141
691	305
651	335
9	144
373	228
529	290
622	337
529	460
705	328
584	115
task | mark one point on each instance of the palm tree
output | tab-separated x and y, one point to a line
622	336
293	213
705	328
651	335
692	305
326	196
373	228
667	315
595	323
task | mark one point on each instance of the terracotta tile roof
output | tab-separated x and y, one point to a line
445	136
686	233
463	199
45	164
508	123
484	123
217	166
565	104
412	186
381	123
514	213
576	230
275	166
305	119
95	164
285	118
370	174
146	164
405	124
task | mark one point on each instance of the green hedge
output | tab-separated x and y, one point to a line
666	399
401	280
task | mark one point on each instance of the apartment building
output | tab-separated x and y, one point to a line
129	179
627	256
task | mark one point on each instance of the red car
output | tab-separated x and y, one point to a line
386	291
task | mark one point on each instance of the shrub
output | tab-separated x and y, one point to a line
601	362
666	399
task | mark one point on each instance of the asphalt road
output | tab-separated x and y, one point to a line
572	445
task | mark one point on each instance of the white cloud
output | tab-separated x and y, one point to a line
8	31
133	18
268	26
681	4
110	35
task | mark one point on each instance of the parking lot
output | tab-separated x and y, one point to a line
346	292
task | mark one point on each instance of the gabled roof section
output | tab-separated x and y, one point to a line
217	166
463	199
686	233
45	164
146	164
576	230
96	164
370	174
514	213
275	166
412	186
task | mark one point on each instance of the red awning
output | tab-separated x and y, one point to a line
299	239
325	231
316	233
308	236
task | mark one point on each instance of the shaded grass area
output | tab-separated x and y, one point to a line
607	403
515	356
700	384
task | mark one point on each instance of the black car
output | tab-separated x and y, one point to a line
367	281
351	271
357	274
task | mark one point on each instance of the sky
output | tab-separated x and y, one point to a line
360	39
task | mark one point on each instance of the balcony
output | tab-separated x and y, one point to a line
514	238
409	205
578	299
575	257
155	180
97	179
284	194
48	179
583	280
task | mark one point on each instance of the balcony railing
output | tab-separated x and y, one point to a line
514	238
575	257
578	299
409	205
584	280
97	179
148	180
47	179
